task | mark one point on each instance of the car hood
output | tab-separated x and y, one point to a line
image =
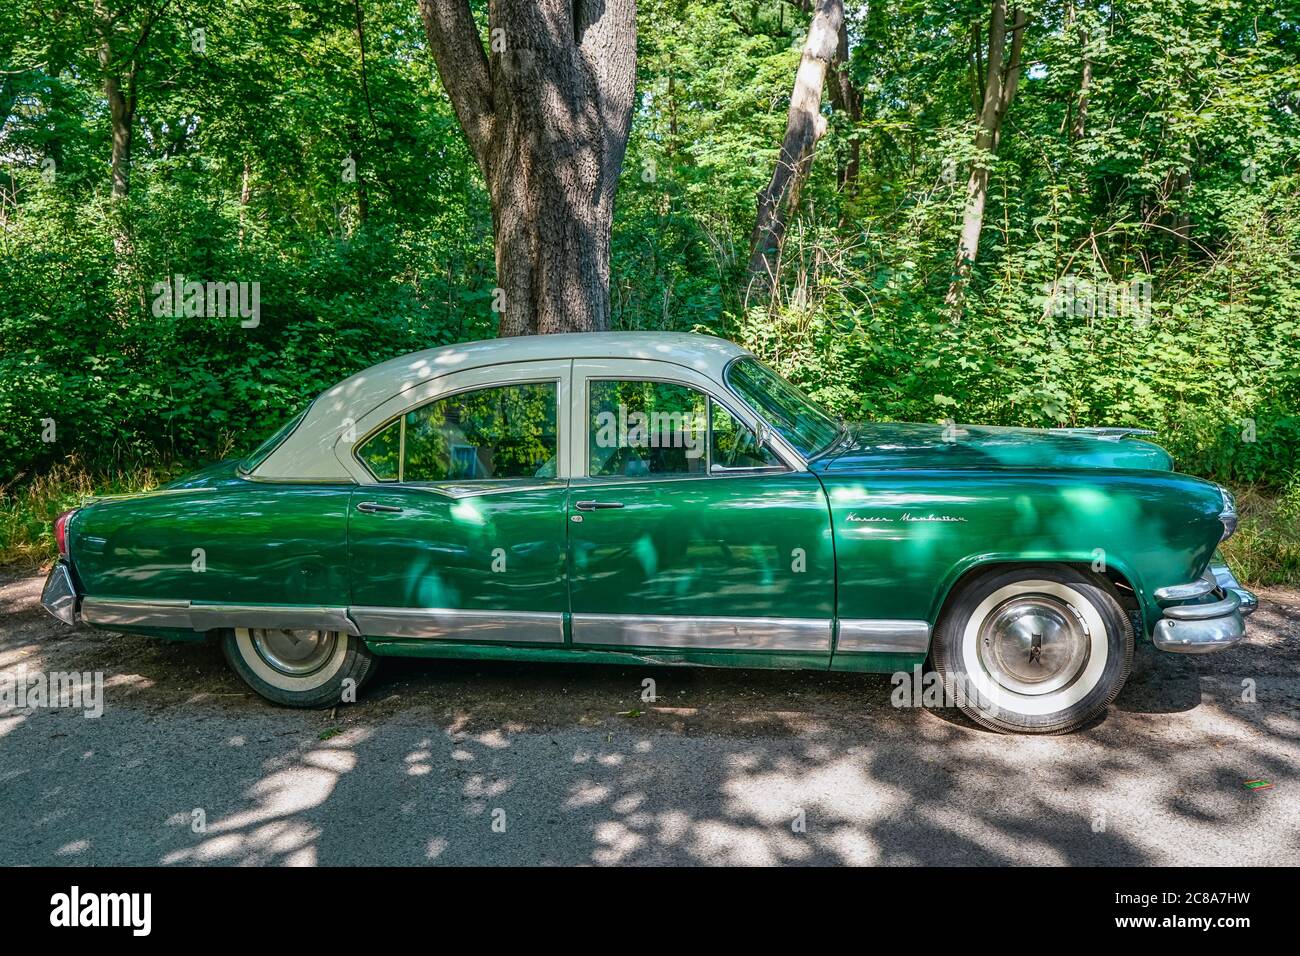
907	445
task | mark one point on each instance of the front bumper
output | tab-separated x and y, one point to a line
59	596
1205	616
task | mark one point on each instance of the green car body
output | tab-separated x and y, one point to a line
843	559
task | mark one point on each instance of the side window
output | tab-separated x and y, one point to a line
734	445
506	431
638	428
382	452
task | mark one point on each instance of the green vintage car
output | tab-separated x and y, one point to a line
663	499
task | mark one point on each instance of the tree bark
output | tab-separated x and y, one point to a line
1001	78
546	110
805	125
119	69
120	93
120	72
8	96
1085	84
846	99
245	196
1183	219
1085	81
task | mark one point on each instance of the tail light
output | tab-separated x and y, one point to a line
61	530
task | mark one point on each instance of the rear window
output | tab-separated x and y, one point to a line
263	451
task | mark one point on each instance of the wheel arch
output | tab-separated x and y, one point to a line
1121	577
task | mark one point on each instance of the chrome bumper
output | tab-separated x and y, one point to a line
59	596
1202	628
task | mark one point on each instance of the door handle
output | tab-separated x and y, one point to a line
597	505
371	507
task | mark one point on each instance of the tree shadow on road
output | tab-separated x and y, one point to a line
485	762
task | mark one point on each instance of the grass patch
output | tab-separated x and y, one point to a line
1266	548
27	513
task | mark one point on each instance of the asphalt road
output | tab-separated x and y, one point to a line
483	763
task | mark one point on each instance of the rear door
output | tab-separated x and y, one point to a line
684	531
462	535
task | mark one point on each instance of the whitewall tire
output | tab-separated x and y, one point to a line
1033	649
299	668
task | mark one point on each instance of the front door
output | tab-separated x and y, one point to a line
462	536
688	536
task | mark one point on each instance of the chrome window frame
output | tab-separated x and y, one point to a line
726	383
651	370
400	419
456	383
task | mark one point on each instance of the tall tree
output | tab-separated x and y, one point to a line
120	48
805	125
546	109
1002	76
1085	80
846	98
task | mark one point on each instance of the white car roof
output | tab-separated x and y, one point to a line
307	453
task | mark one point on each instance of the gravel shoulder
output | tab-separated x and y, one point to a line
503	763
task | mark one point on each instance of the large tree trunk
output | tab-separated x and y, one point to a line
805	125
546	111
1001	79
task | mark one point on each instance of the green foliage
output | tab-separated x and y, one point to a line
27	514
1184	182
1183	190
1266	548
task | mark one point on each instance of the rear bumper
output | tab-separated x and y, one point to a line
59	596
1210	616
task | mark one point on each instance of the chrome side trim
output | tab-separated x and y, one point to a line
524	627
1186	592
184	615
703	633
58	596
488	487
459	491
126	612
1104	433
883	637
291	617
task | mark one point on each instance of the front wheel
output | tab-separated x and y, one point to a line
299	668
1033	650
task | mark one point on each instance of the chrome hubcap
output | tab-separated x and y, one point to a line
1034	644
294	652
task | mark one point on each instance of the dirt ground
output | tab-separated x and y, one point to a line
485	762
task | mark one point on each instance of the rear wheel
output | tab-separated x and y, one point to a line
299	668
1033	650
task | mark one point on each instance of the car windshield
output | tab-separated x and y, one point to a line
263	451
798	419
